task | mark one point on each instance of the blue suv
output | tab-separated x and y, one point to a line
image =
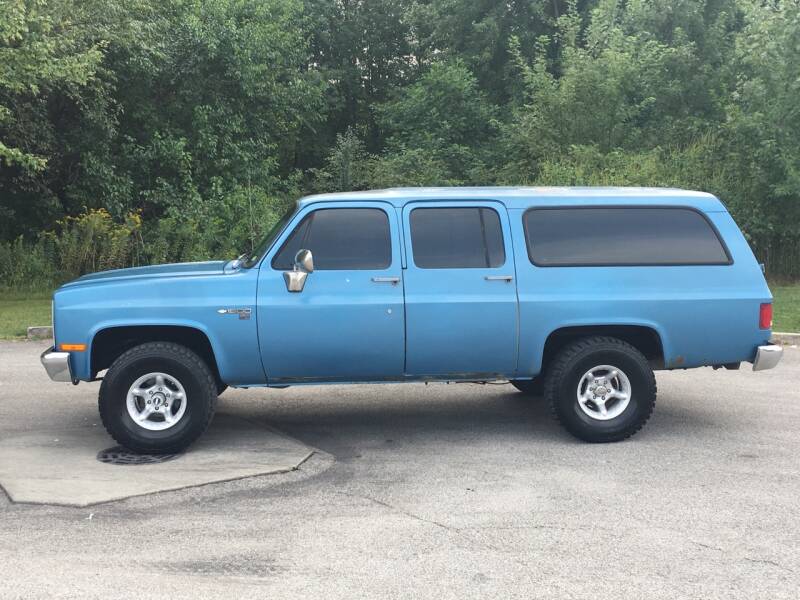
576	294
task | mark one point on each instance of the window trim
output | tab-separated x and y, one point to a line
310	215
483	234
705	217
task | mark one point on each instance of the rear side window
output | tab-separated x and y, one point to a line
340	239
621	236
457	238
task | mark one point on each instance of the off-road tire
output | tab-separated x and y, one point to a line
172	359
564	375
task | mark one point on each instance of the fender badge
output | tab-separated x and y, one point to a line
244	313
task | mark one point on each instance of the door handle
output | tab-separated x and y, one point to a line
506	278
392	280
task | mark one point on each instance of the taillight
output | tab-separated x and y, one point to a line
765	316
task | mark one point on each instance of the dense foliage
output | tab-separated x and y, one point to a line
144	130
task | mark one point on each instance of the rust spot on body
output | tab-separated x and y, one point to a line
678	361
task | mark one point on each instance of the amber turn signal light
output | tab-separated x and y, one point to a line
72	347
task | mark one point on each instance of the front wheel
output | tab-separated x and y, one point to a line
158	397
601	389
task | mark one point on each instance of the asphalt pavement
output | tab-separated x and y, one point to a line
438	491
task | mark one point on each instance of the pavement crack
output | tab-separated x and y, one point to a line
523	527
462	533
403	511
763	561
709	546
766	561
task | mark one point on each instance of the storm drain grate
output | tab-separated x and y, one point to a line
122	456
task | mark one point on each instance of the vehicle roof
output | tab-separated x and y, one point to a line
524	197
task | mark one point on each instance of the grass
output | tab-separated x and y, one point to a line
19	310
786	308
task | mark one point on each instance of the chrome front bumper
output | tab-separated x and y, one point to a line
56	364
767	357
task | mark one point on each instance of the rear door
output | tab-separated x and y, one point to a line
461	294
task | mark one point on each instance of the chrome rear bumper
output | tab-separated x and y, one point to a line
767	357
56	364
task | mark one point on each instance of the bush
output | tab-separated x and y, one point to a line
94	241
217	229
89	242
25	266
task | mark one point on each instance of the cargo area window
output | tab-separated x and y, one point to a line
620	236
457	238
340	239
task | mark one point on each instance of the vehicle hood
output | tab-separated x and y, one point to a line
216	267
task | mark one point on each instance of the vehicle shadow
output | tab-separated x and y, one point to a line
332	417
342	419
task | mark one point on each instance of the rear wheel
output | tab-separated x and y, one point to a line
601	389
158	397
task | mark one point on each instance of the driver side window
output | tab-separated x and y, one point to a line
340	239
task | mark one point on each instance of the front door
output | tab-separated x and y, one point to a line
347	322
461	292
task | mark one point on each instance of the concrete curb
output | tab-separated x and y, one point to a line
785	339
60	467
40	333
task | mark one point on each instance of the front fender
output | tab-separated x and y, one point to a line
202	303
81	362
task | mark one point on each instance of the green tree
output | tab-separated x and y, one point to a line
761	149
363	48
482	34
39	52
632	79
445	115
43	54
207	117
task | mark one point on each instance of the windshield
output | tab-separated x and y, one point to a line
265	243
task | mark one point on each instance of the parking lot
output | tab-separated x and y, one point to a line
445	491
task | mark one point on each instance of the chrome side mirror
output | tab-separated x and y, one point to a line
303	265
304	261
